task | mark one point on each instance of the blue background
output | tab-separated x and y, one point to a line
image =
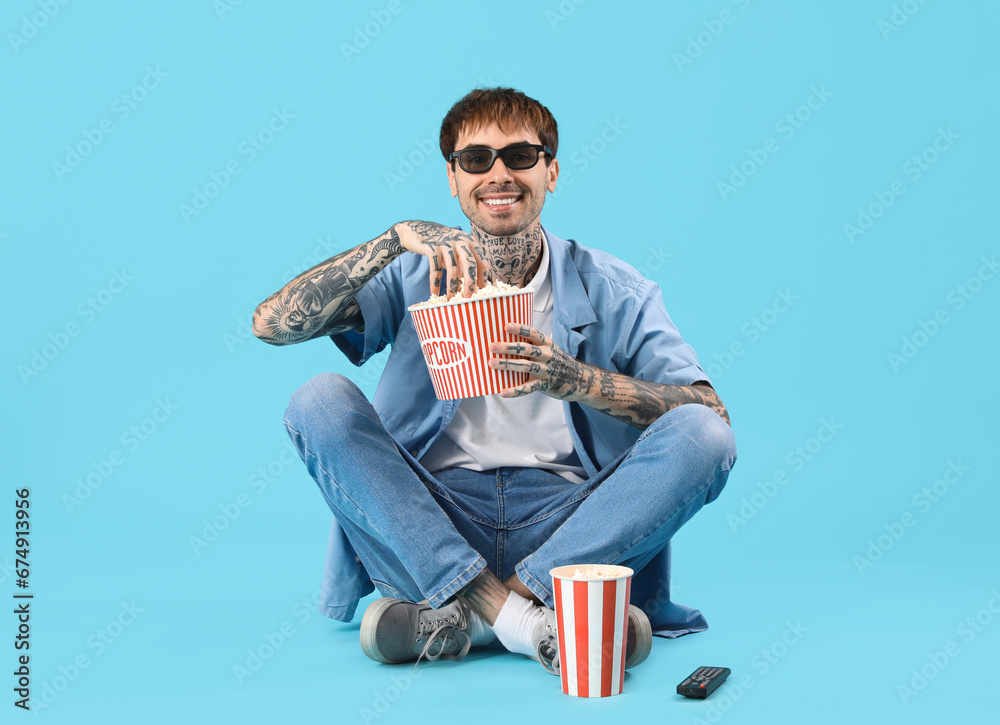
681	96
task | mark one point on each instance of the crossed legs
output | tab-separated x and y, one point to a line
377	491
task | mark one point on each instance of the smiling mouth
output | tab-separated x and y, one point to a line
500	203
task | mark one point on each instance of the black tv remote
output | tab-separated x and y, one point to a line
703	682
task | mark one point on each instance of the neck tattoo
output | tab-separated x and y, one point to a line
514	259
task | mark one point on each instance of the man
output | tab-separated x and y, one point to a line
457	510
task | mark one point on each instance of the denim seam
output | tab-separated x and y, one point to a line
338	612
501	518
436	490
501	538
455	584
531	582
388	586
472	517
537	519
501	546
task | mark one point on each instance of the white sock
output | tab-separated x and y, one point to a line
515	622
477	629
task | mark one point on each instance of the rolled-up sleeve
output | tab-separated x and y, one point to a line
650	346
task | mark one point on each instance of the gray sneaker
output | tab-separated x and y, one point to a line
545	638
393	631
637	648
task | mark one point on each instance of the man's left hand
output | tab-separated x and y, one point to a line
553	372
550	370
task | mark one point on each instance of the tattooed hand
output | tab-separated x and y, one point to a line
553	372
550	370
451	252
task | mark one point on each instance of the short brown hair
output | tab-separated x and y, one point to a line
508	108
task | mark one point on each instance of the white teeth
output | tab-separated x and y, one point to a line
499	202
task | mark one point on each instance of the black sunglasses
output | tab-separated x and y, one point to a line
480	159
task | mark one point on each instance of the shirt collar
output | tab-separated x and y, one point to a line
574	309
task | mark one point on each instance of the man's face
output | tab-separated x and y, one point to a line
526	187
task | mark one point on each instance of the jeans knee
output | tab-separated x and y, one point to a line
715	438
326	391
707	431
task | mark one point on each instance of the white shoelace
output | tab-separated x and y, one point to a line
548	653
450	629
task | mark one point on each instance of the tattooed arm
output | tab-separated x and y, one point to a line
553	372
639	403
320	301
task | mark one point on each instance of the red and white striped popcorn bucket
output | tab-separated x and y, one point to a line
455	338
592	620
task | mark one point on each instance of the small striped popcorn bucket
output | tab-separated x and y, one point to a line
455	339
592	620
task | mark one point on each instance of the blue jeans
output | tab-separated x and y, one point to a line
422	536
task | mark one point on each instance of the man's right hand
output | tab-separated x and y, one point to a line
450	251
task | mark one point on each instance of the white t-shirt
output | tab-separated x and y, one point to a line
494	432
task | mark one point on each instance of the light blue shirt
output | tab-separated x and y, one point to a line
606	314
